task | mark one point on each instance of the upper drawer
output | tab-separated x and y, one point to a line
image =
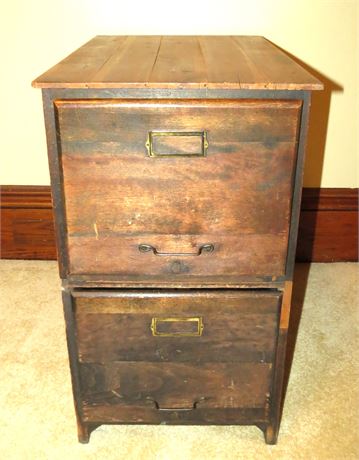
176	190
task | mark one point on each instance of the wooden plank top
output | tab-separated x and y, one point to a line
170	62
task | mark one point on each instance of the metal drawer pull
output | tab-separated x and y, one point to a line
189	330
208	247
182	143
193	407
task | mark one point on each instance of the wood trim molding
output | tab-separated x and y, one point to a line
26	197
27	228
330	199
328	227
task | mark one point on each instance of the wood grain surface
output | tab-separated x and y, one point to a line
176	385
139	199
224	62
27	227
237	197
121	363
318	240
238	326
105	413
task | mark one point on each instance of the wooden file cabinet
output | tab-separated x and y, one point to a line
176	168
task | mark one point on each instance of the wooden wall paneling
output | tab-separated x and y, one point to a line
27	228
328	225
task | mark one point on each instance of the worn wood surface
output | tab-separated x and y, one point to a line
56	178
122	364
178	62
221	282
176	386
177	161
104	413
83	430
239	326
237	197
298	176
271	429
328	230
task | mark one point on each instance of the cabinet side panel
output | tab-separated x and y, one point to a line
58	199
298	184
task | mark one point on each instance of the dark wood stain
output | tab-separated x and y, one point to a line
105	413
237	326
181	386
318	240
244	192
220	228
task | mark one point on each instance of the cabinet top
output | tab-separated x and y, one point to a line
172	62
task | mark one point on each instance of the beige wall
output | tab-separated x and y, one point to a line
321	33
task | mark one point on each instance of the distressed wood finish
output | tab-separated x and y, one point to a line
241	62
121	363
104	413
328	228
177	162
237	197
176	386
240	326
271	430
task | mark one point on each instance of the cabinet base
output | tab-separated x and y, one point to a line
84	431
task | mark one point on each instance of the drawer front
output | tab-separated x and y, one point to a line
188	351
169	190
176	386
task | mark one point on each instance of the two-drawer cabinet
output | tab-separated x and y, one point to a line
176	167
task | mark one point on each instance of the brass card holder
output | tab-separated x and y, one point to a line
199	142
157	322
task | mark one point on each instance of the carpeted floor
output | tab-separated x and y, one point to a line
320	418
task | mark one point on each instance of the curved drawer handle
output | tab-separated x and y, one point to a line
208	247
182	409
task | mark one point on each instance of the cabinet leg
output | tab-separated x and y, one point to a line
83	432
271	434
271	429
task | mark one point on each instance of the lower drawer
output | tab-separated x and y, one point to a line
176	385
189	352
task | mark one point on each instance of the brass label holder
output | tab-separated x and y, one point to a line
153	134
197	333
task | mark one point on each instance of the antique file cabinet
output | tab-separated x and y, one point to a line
176	169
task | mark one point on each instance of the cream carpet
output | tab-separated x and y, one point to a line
320	417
